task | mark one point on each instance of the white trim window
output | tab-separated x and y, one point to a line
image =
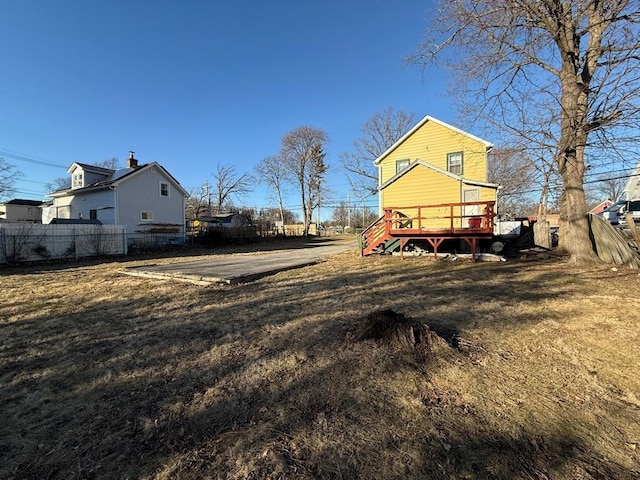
402	165
146	216
164	189
454	163
78	181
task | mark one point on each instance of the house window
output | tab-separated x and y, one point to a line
30	210
93	214
164	189
401	164
77	180
146	216
454	163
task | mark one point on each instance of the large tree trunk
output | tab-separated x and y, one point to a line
578	241
563	238
570	156
284	230
305	218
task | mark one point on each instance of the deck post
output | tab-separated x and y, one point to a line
472	243
403	242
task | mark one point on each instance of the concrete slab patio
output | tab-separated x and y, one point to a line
242	267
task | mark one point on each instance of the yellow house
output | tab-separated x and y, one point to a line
434	163
432	183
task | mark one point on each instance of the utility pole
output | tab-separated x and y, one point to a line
318	216
208	194
349	210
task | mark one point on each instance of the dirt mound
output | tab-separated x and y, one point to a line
393	329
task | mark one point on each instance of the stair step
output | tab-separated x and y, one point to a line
392	245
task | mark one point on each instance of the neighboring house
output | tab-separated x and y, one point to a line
146	199
435	178
552	217
223	220
632	188
600	207
222	227
19	210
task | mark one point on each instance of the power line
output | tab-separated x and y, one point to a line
32	181
24	158
613	178
27	193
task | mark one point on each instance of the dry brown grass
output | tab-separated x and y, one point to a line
108	376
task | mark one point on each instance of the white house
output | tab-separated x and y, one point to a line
223	220
18	210
632	188
146	199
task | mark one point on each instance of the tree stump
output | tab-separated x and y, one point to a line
387	327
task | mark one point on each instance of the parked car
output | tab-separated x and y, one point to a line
615	214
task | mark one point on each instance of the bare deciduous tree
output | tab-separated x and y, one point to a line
524	182
608	186
229	184
112	163
197	202
302	152
379	133
576	59
273	172
341	215
8	175
59	183
514	171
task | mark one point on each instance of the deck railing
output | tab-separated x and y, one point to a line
466	218
445	216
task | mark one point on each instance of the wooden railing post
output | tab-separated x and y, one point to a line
388	218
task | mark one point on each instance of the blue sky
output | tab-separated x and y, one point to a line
195	83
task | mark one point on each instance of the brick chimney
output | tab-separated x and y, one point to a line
132	162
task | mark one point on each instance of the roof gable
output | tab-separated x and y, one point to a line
439	170
418	126
115	178
148	166
89	168
26	203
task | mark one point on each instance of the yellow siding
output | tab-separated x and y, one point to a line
488	194
431	143
421	186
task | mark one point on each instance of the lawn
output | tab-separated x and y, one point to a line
535	374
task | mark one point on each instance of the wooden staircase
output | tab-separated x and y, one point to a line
374	236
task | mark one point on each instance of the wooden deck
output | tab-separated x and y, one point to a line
470	222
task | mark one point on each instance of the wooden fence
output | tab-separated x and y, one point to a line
27	242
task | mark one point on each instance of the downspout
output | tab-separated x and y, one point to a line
379	192
116	219
184	220
463	209
495	212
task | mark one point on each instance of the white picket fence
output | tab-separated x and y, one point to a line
26	242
